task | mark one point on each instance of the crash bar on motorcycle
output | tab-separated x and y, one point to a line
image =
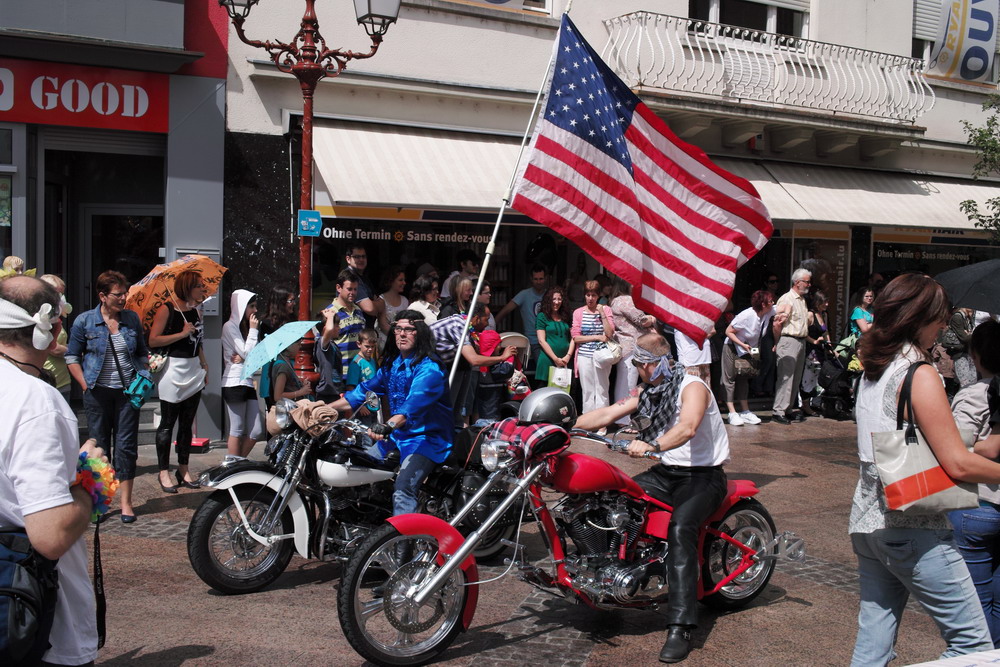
472	502
472	540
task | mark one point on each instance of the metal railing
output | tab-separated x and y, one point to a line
739	64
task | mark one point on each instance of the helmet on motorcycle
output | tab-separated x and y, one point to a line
548	405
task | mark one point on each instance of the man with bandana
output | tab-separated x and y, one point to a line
39	455
689	439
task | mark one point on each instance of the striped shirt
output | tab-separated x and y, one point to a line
351	325
109	376
591	325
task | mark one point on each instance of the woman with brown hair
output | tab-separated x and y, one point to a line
899	553
593	327
552	328
104	354
177	326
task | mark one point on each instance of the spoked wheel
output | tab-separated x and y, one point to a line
221	551
749	523
375	614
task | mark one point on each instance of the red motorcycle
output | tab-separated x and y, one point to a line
412	586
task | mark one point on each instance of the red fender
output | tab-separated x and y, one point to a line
449	540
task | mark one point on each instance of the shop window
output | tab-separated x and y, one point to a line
749	14
5	214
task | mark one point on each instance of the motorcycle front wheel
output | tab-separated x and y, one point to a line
224	555
375	614
749	523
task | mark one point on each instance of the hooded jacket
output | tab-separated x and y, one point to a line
233	342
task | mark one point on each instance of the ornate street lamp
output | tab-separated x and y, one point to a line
308	59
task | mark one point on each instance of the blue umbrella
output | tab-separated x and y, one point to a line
273	344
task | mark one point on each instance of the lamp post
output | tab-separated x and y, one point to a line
308	59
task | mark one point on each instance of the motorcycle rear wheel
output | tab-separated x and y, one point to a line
380	625
223	555
749	523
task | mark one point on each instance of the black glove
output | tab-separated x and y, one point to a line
993	396
384	430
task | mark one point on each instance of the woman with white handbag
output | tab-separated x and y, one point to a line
904	552
592	328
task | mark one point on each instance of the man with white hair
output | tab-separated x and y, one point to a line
790	325
39	458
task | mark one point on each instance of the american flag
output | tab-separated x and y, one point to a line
608	174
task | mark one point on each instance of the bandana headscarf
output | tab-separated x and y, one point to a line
13	316
658	402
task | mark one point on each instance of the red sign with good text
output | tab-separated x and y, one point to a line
81	96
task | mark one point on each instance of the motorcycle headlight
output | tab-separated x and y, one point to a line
283	413
494	453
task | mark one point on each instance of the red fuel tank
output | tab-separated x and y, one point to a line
580	473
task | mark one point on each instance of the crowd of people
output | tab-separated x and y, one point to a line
401	347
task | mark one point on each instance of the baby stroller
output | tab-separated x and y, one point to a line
517	386
835	399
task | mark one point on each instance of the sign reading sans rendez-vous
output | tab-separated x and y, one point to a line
81	96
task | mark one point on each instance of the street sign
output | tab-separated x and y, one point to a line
310	223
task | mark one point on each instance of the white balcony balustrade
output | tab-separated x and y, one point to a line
697	58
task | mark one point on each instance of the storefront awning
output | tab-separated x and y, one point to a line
366	164
864	197
377	165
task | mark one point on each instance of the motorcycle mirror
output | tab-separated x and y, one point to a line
641	422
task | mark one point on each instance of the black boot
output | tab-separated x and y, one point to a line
677	645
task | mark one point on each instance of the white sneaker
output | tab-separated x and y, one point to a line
735	419
749	417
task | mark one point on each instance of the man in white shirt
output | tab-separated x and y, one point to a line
39	453
687	432
790	324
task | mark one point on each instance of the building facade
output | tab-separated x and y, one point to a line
112	118
824	105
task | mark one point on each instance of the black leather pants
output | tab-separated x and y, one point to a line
694	493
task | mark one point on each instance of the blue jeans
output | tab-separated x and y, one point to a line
115	425
895	562
412	472
977	536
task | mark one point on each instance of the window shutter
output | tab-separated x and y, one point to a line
797	5
926	14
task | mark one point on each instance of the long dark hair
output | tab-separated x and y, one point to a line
423	342
245	321
906	305
548	308
276	308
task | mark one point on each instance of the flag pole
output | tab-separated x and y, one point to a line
491	246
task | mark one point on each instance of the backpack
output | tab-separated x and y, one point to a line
29	585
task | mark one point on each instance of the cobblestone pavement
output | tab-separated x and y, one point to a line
160	613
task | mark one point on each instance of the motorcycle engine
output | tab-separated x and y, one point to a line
604	527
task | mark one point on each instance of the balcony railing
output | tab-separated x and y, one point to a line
689	56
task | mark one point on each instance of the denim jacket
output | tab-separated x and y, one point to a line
88	341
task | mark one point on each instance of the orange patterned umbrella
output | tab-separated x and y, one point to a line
157	287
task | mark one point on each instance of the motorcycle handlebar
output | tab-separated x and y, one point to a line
620	446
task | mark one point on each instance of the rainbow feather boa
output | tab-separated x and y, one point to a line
97	477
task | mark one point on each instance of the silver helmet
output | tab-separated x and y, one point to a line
548	405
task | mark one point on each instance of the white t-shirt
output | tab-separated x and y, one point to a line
688	353
710	444
747	325
39	447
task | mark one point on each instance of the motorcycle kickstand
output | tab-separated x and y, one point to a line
529	574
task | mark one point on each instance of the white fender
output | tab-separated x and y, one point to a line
300	518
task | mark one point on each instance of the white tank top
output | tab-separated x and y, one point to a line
710	444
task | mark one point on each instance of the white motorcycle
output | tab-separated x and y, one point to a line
319	494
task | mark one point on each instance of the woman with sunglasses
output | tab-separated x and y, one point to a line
178	328
105	352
